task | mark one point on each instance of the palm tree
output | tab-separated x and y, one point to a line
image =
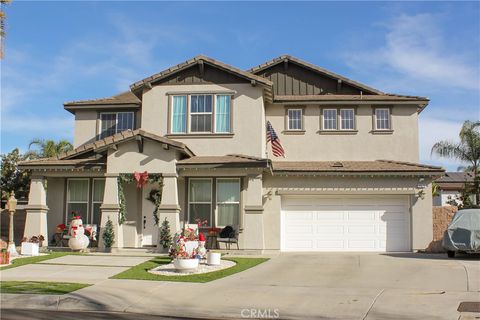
48	148
467	151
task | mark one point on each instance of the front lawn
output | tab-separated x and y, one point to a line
140	272
37	287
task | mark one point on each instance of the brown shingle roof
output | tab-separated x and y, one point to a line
456	177
195	60
315	68
120	138
123	98
55	162
349	97
354	166
231	159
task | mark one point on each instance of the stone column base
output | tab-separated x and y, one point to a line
36	222
110	212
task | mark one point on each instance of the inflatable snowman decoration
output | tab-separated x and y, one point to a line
78	239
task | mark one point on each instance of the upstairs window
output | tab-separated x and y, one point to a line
329	119
347	119
382	119
200	113
294	119
115	122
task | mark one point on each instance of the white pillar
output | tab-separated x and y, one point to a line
36	220
253	235
110	210
169	207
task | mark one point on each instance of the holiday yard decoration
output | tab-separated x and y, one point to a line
78	240
108	235
165	236
141	179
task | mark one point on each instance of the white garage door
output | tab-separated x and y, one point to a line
370	223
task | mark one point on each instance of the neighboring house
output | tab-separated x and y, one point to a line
350	179
450	187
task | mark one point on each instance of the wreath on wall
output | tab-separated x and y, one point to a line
141	180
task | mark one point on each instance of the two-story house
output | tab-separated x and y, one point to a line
349	181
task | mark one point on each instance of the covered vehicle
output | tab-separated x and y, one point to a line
463	233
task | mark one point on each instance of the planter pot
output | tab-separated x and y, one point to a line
185	265
213	258
29	249
107	250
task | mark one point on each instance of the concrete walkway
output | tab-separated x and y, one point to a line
296	286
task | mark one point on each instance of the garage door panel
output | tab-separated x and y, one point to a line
367	229
361	215
346	224
330	244
329	215
361	244
299	229
325	229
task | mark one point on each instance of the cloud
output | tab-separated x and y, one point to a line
432	130
414	48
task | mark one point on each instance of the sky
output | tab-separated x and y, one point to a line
71	50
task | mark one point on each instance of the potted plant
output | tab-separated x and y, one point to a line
108	236
182	260
30	247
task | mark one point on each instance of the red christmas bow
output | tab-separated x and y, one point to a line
141	178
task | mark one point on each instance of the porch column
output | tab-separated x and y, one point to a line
110	210
253	223
169	208
36	220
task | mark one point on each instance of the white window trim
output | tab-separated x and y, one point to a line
214	109
389	119
196	202
87	214
323	120
227	202
188	126
340	119
116	120
93	200
301	119
212	121
186	113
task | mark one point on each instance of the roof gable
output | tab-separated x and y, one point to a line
292	76
200	69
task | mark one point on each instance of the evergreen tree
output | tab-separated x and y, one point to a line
108	235
165	236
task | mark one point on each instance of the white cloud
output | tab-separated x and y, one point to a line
415	49
433	130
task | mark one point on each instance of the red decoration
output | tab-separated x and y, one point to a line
141	178
61	226
201	237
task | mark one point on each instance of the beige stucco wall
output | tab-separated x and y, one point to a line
55	203
154	159
421	209
248	115
85	127
401	145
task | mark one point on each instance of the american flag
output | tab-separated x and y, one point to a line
272	137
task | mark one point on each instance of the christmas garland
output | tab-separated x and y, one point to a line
129	178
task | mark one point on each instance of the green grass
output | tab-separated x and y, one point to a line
37	287
29	260
140	272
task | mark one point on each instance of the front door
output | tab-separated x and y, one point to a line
148	227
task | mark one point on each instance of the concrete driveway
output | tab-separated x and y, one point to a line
299	286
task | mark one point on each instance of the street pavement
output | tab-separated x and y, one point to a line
288	286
